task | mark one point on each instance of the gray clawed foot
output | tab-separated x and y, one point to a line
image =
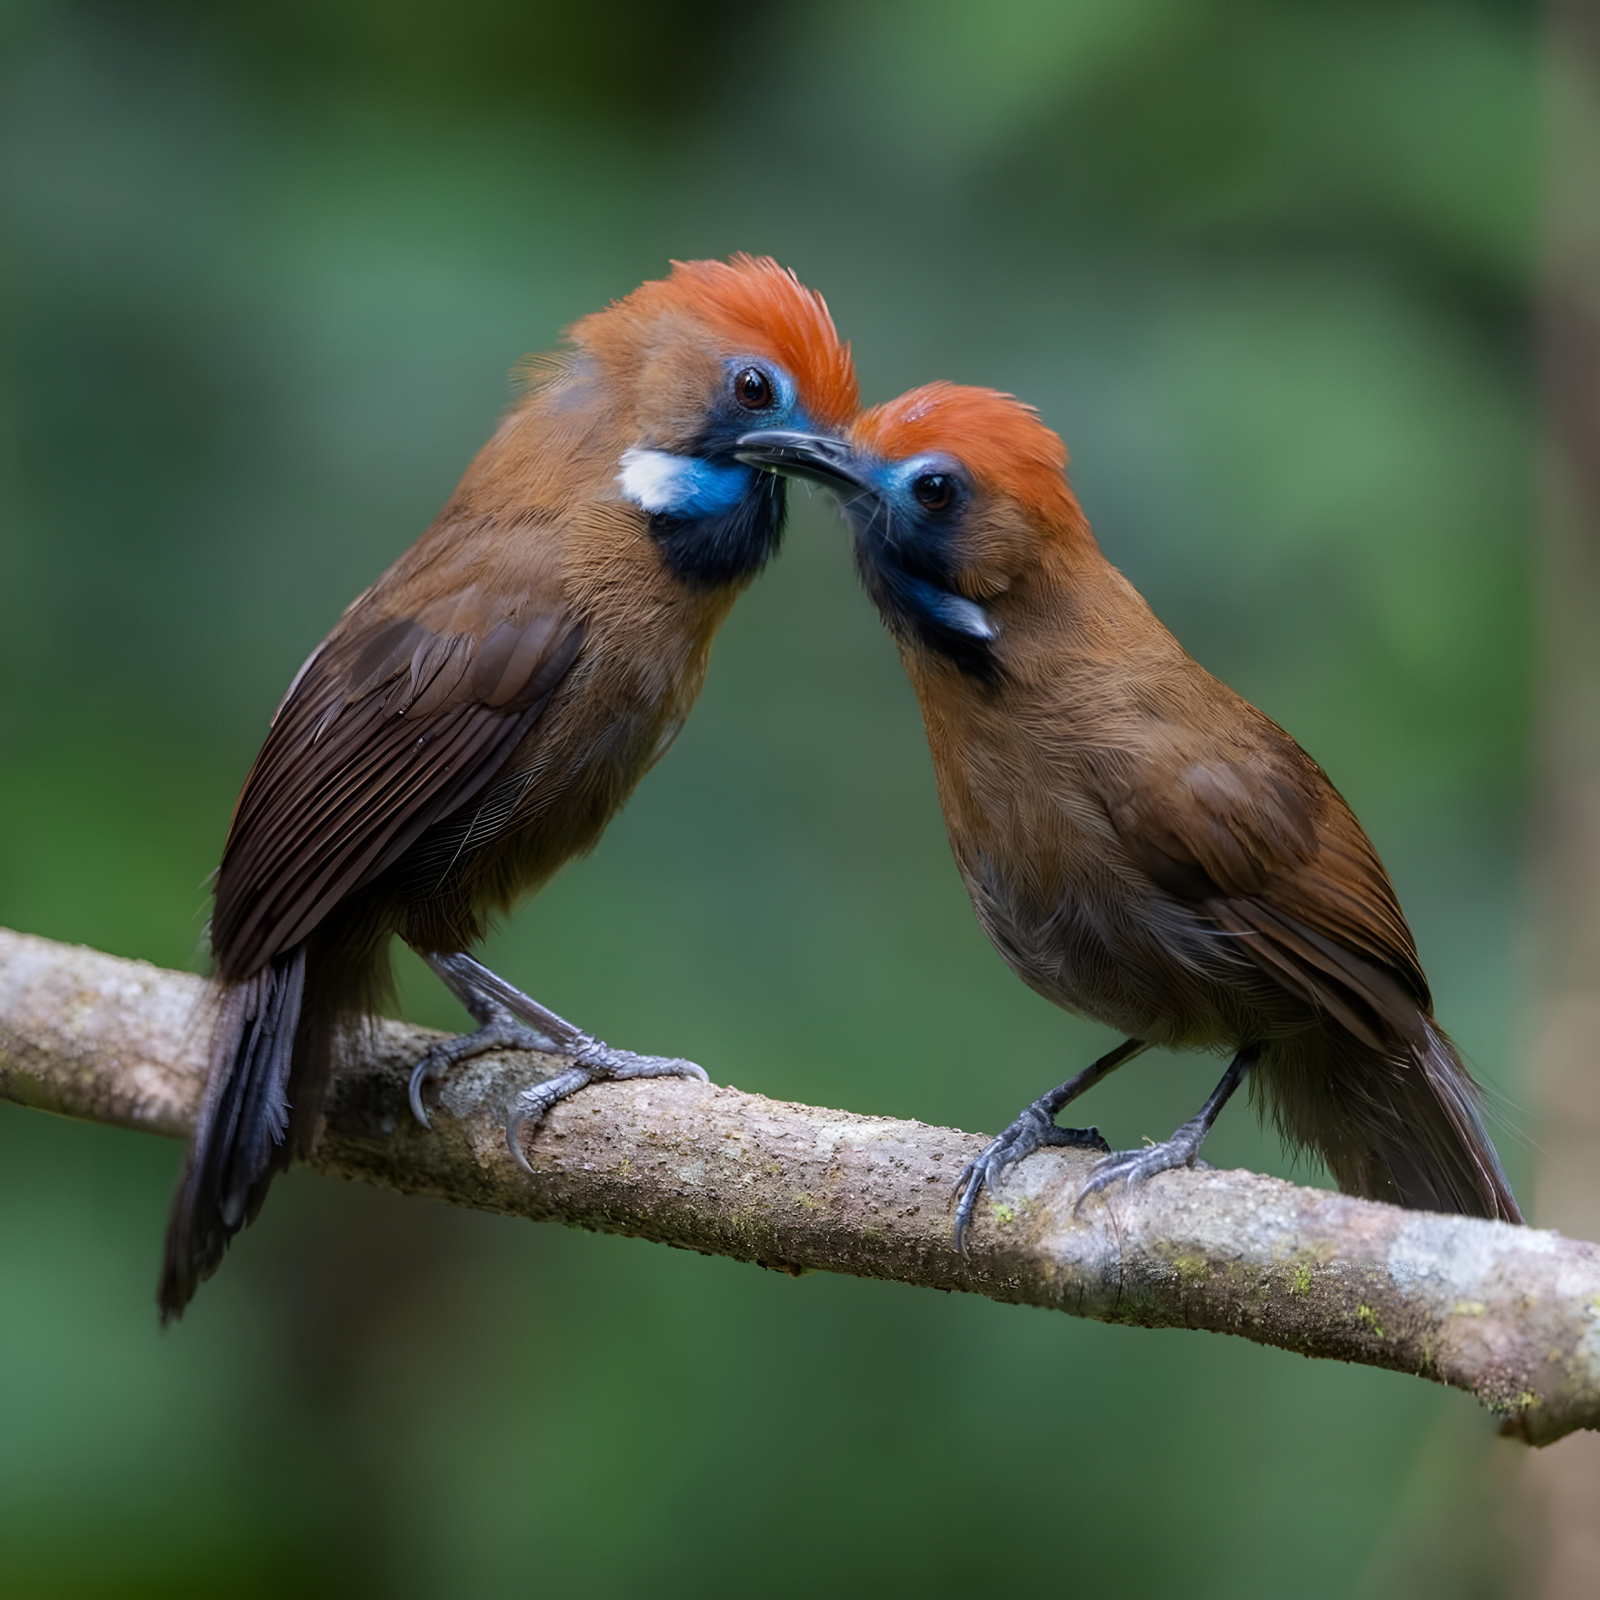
1034	1130
513	1020
501	1031
595	1062
1182	1149
1133	1167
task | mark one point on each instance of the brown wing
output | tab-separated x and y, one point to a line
387	728
1262	840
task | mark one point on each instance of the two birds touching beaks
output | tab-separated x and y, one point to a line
1143	847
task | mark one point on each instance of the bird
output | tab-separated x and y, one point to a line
477	715
1143	846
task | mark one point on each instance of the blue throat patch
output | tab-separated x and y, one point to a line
682	486
728	545
908	580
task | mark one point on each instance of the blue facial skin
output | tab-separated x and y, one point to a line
728	521
905	554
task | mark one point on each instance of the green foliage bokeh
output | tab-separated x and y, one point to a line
265	265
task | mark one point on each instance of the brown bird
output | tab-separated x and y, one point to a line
477	716
1142	846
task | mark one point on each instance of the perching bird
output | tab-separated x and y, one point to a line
1142	846
477	716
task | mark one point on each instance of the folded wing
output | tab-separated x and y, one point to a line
1262	841
389	727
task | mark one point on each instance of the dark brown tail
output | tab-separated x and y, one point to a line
1403	1126
241	1136
272	1051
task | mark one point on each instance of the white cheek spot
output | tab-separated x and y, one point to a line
969	617
655	480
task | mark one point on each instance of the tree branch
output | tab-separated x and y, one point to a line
1511	1315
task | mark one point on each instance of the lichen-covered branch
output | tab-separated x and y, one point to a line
1510	1314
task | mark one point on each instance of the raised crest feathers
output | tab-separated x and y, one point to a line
760	308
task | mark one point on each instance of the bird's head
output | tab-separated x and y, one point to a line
955	497
693	362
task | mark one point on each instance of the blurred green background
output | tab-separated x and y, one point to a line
266	264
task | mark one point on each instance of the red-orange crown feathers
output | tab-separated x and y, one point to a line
995	436
759	308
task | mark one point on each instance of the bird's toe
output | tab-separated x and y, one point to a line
534	1102
425	1071
1133	1167
501	1032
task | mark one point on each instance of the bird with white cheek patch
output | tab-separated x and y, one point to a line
1141	845
478	715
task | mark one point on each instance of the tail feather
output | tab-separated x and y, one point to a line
273	1046
241	1137
1402	1125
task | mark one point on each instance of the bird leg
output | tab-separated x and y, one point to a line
1035	1129
498	1028
1182	1149
509	1019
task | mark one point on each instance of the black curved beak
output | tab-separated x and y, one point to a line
813	456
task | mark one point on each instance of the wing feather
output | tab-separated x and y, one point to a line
389	727
1260	839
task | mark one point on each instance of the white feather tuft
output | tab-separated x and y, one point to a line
655	480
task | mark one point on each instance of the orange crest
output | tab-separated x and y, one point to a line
1000	441
759	308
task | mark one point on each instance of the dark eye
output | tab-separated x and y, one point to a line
934	490
753	389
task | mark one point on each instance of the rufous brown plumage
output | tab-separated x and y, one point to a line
1142	846
477	716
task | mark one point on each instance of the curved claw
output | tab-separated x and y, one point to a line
1133	1167
691	1070
1095	1183
513	1138
420	1075
974	1176
532	1104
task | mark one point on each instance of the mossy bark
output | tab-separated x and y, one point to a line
1510	1314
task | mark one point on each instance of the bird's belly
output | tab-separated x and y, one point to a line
550	802
1141	963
